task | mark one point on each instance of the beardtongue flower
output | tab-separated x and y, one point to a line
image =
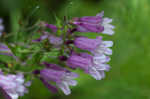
96	46
93	65
108	28
13	85
61	77
89	24
1	26
88	27
94	24
87	44
104	48
77	61
89	19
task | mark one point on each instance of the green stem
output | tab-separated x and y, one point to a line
14	19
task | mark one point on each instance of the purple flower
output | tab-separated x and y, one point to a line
13	85
108	28
96	46
89	19
104	48
1	26
52	27
77	61
93	65
94	24
96	65
87	44
60	76
88	27
89	24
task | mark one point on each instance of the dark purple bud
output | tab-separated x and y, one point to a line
69	42
73	30
62	58
52	27
36	72
37	40
54	66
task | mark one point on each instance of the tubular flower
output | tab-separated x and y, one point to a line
88	27
94	45
88	24
61	77
13	85
108	28
104	48
94	24
93	65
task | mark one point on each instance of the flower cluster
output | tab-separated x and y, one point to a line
53	52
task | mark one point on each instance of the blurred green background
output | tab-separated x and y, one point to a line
129	77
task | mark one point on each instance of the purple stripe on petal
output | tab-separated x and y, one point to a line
51	74
87	27
77	61
49	86
89	19
87	44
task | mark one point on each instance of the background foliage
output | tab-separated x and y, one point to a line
129	76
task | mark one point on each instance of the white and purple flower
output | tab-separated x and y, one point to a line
13	85
96	46
108	28
93	65
62	77
95	24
